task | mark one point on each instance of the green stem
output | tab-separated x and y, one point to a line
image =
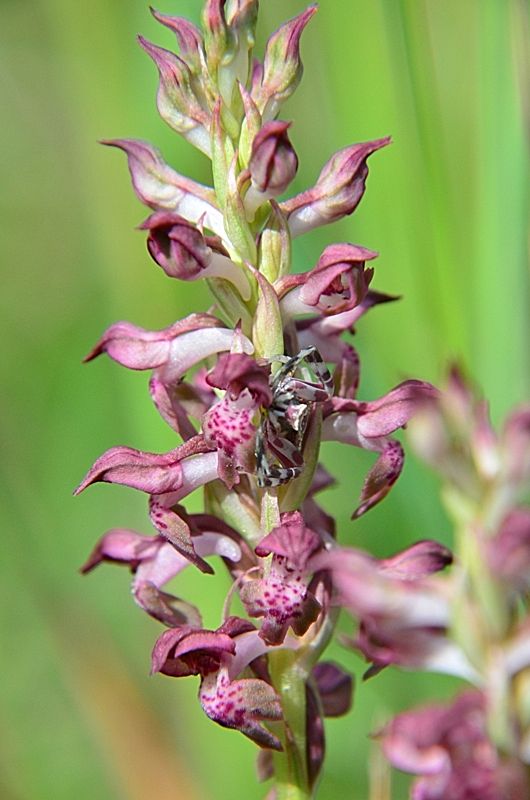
289	679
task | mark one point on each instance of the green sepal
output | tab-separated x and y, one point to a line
240	514
231	307
250	126
270	511
222	154
236	224
267	330
274	250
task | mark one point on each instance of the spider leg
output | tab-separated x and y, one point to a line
273	474
318	365
287	452
302	390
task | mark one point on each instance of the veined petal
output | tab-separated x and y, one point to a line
236	372
273	162
417	561
148	472
188	36
381	477
393	410
366	591
161	188
154	473
292	540
338	283
124	546
164	607
337	192
187	651
183	252
282	67
177	102
173	350
242	704
175	529
281	596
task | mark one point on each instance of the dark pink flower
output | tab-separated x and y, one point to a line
403	613
219	657
167	478
236	372
338	283
183	252
325	333
282	596
171	351
229	425
368	425
154	562
178	471
449	748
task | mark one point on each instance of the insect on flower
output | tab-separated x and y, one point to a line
280	436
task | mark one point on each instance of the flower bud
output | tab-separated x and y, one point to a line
282	67
337	192
217	34
335	688
449	749
242	15
183	252
176	99
273	163
176	245
188	37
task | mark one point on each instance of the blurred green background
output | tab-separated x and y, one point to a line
446	206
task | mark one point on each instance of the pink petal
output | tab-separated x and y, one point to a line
417	561
393	410
292	539
160	187
173	350
242	705
121	544
381	477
